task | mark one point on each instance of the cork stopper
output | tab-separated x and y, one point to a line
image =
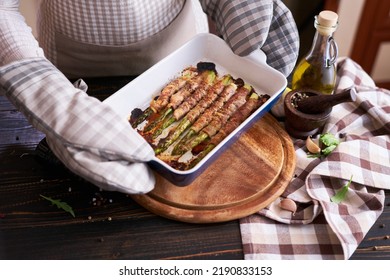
326	22
327	19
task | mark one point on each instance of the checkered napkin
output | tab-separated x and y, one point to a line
321	229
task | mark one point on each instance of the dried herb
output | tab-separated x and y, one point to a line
341	193
60	204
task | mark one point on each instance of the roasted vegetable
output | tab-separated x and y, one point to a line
194	113
218	120
235	120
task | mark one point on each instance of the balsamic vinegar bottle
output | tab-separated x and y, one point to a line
317	70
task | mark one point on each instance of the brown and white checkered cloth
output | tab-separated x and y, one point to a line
321	229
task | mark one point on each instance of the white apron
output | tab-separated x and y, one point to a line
76	59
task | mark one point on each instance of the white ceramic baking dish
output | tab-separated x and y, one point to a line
203	47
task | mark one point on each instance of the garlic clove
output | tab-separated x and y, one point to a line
311	146
288	204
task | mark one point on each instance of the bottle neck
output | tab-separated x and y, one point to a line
324	48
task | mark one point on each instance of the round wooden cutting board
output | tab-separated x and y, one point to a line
245	178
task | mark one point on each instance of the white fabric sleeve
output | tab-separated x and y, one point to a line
16	38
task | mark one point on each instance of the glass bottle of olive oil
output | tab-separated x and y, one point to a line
317	70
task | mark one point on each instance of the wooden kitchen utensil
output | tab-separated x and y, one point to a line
316	104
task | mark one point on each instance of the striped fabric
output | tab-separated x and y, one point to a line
321	229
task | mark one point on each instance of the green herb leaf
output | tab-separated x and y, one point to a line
329	143
60	204
329	139
341	193
328	150
310	155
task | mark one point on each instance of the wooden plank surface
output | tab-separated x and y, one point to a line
107	225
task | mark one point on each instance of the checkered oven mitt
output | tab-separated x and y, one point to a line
320	228
90	138
247	25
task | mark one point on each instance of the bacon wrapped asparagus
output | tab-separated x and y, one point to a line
254	102
178	111
157	104
198	108
205	118
178	97
196	111
218	120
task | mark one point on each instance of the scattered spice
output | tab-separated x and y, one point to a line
100	200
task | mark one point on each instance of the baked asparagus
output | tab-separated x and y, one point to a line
179	111
218	120
194	113
175	100
254	102
162	100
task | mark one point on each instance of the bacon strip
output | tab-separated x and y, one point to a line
235	120
206	117
175	85
218	120
222	115
197	96
200	105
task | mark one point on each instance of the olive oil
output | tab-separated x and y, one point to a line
317	70
314	76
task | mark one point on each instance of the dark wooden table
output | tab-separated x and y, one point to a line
107	225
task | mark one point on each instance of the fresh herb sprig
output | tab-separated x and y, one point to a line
60	204
328	142
341	193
